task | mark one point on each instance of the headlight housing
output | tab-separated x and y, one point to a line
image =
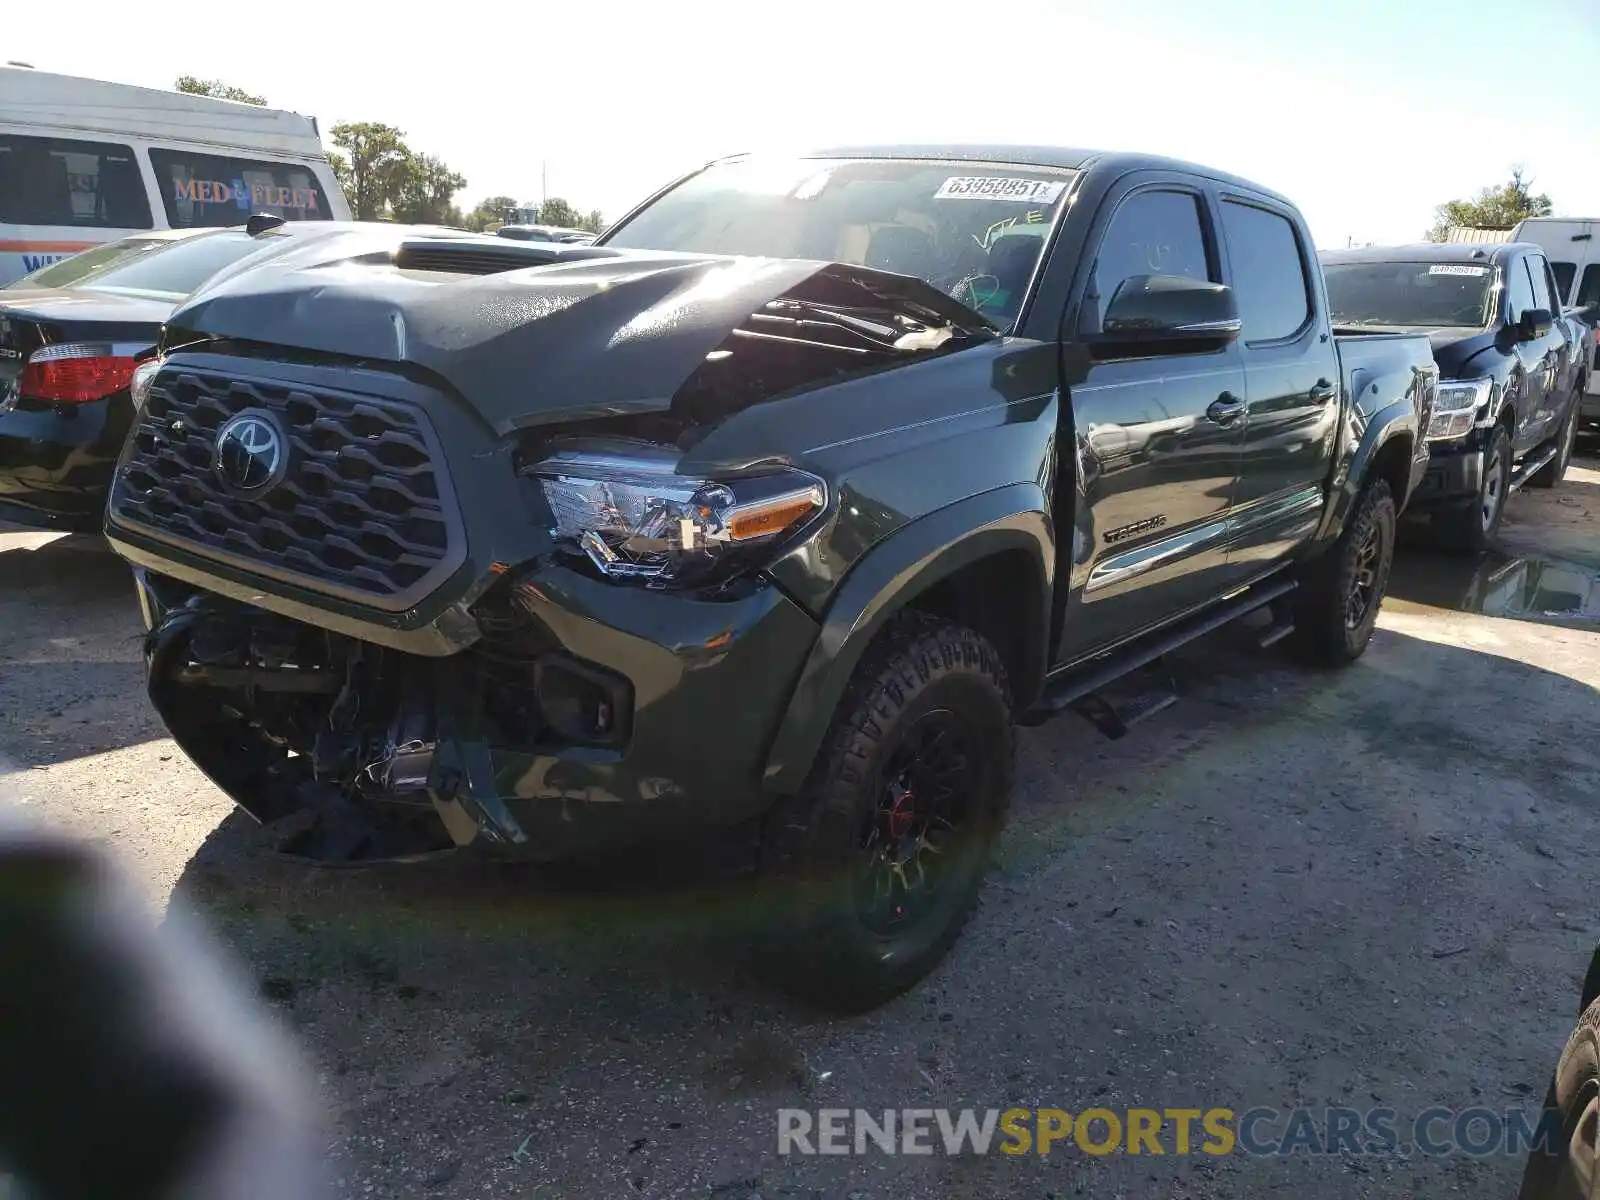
1455	407
143	376
625	507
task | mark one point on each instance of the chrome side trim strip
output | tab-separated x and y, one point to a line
1132	563
1269	510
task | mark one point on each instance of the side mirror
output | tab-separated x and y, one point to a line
1158	310
1535	323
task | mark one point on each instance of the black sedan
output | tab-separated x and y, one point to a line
70	335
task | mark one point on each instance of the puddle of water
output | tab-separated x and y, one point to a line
1500	585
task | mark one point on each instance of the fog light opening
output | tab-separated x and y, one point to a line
583	703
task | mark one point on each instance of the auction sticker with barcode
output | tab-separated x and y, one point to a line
1456	269
984	187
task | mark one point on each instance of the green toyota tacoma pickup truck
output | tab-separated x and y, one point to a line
776	510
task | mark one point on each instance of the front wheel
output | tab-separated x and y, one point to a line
1472	526
1336	604
877	865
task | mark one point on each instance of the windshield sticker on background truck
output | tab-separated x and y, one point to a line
1456	269
980	187
261	195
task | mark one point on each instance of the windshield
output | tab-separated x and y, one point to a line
1428	295
170	266
975	232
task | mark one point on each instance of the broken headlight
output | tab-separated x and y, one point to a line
627	509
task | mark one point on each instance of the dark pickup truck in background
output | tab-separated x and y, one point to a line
1513	368
774	511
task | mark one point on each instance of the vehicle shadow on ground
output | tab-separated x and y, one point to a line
76	563
71	683
470	995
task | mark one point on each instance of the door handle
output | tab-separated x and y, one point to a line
1225	409
1322	391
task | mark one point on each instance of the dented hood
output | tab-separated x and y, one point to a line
611	333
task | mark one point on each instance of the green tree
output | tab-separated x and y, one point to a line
1492	208
490	211
556	211
215	87
426	188
594	222
376	166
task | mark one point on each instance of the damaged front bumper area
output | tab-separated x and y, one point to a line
586	718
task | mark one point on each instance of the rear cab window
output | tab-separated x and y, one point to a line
1269	272
200	189
71	183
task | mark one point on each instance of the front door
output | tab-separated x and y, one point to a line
1157	439
1291	384
1537	358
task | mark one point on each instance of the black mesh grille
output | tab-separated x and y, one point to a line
361	505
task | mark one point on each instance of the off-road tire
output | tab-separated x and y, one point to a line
1470	527
1576	1080
816	941
1554	471
1362	557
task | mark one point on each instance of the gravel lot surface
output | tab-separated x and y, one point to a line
1359	888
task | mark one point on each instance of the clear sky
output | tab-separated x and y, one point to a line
1367	113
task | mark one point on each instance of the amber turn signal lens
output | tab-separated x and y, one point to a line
767	517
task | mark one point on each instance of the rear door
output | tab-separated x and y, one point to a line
60	195
1157	437
1291	384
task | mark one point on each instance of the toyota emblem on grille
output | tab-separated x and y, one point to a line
251	453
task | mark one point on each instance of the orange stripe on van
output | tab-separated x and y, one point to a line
44	247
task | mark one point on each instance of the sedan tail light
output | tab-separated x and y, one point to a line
76	372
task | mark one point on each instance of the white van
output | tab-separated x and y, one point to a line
83	162
1572	244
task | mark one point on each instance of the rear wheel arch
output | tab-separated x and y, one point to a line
1392	464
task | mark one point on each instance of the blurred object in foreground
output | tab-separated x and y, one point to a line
132	1064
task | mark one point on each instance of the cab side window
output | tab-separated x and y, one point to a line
1269	272
1540	278
1151	233
1519	291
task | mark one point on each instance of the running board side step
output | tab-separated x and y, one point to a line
1079	687
1530	467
